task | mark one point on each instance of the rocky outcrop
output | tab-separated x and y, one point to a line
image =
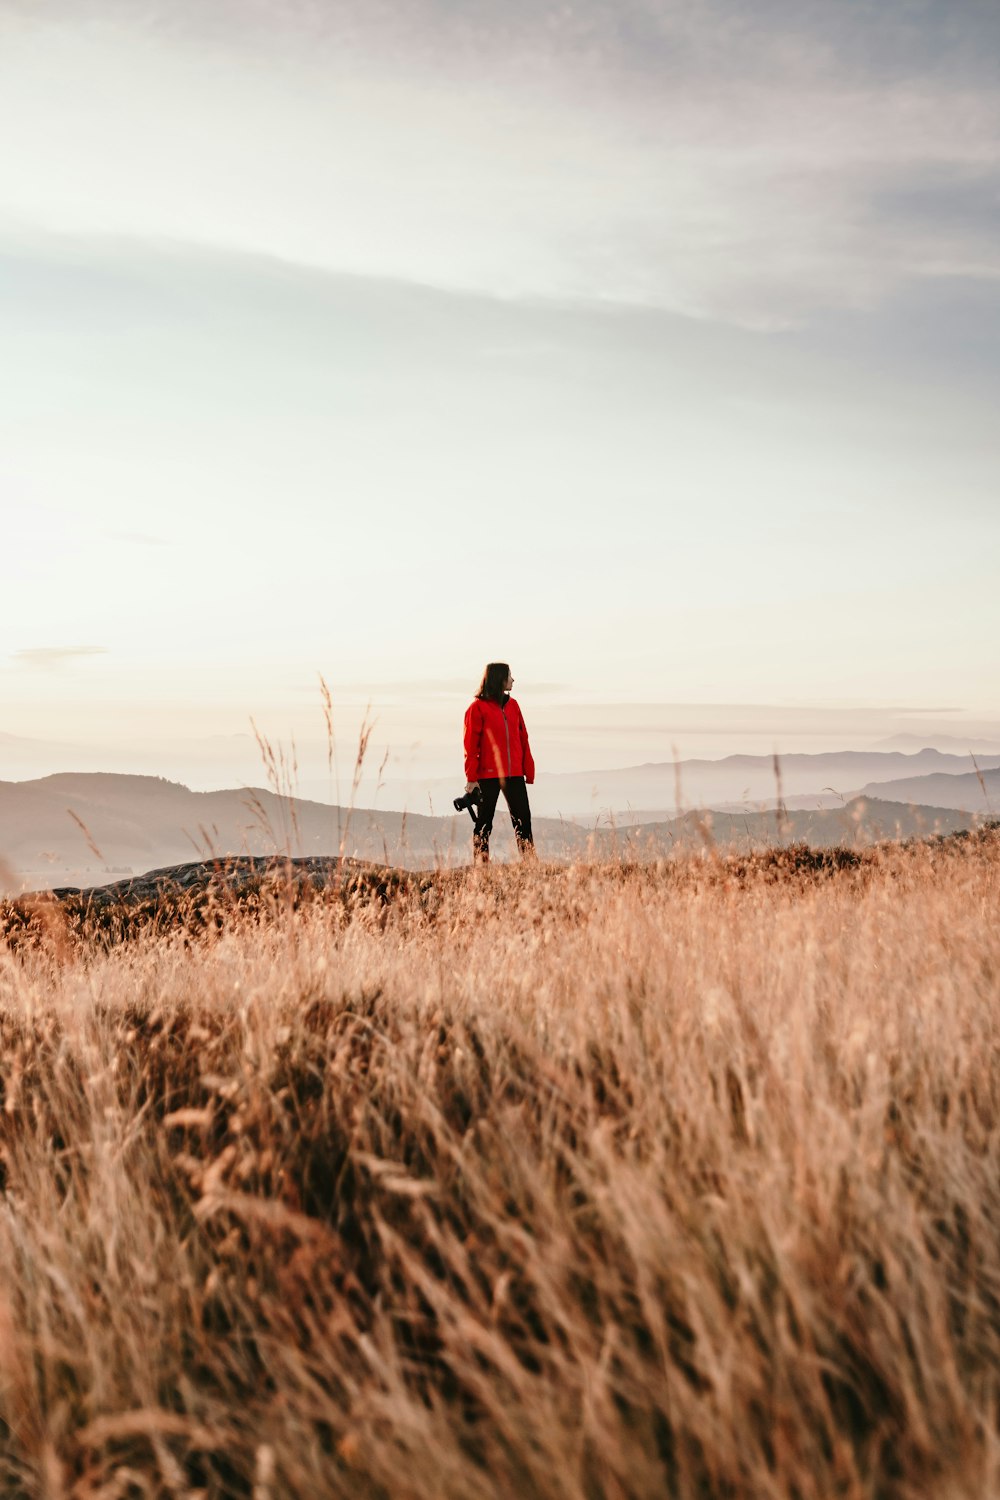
199	895
234	875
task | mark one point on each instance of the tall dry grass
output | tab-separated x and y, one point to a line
544	1182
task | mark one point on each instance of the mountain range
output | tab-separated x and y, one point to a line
667	788
88	828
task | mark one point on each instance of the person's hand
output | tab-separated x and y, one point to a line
471	786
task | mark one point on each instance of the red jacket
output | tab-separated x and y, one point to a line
496	741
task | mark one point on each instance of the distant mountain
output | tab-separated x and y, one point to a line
966	792
629	815
738	779
962	744
89	829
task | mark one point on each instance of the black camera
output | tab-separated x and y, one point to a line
469	802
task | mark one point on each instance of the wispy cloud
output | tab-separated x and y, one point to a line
50	658
420	688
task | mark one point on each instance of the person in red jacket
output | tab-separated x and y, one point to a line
498	759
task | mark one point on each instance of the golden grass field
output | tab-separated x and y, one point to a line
573	1182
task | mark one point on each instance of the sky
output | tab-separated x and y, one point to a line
650	346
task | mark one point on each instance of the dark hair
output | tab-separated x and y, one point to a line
494	683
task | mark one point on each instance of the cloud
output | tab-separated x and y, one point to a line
885	39
421	688
754	163
50	658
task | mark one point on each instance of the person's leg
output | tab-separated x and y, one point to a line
489	788
516	793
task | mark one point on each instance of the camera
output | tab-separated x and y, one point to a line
469	802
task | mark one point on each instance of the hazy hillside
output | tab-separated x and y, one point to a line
865	820
967	792
87	830
134	823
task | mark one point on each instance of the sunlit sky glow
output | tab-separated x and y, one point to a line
651	346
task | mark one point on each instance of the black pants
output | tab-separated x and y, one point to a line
516	794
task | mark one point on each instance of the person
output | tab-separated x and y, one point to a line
498	759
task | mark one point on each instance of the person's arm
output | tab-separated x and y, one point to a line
528	759
473	742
